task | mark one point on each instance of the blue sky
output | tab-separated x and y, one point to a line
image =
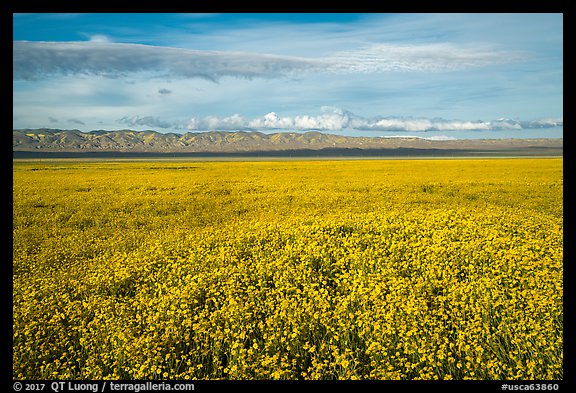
440	76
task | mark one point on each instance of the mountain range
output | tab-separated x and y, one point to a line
55	140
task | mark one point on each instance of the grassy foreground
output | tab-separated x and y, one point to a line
402	269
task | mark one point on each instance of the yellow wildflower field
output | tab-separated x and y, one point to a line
355	269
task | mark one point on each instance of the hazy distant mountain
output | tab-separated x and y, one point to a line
54	140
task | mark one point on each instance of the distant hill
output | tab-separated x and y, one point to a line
128	141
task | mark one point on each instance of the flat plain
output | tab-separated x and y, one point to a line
350	269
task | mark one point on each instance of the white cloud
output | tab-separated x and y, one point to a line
421	57
192	124
432	138
543	123
441	138
272	121
101	38
231	122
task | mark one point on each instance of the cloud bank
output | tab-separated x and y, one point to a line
336	119
37	60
